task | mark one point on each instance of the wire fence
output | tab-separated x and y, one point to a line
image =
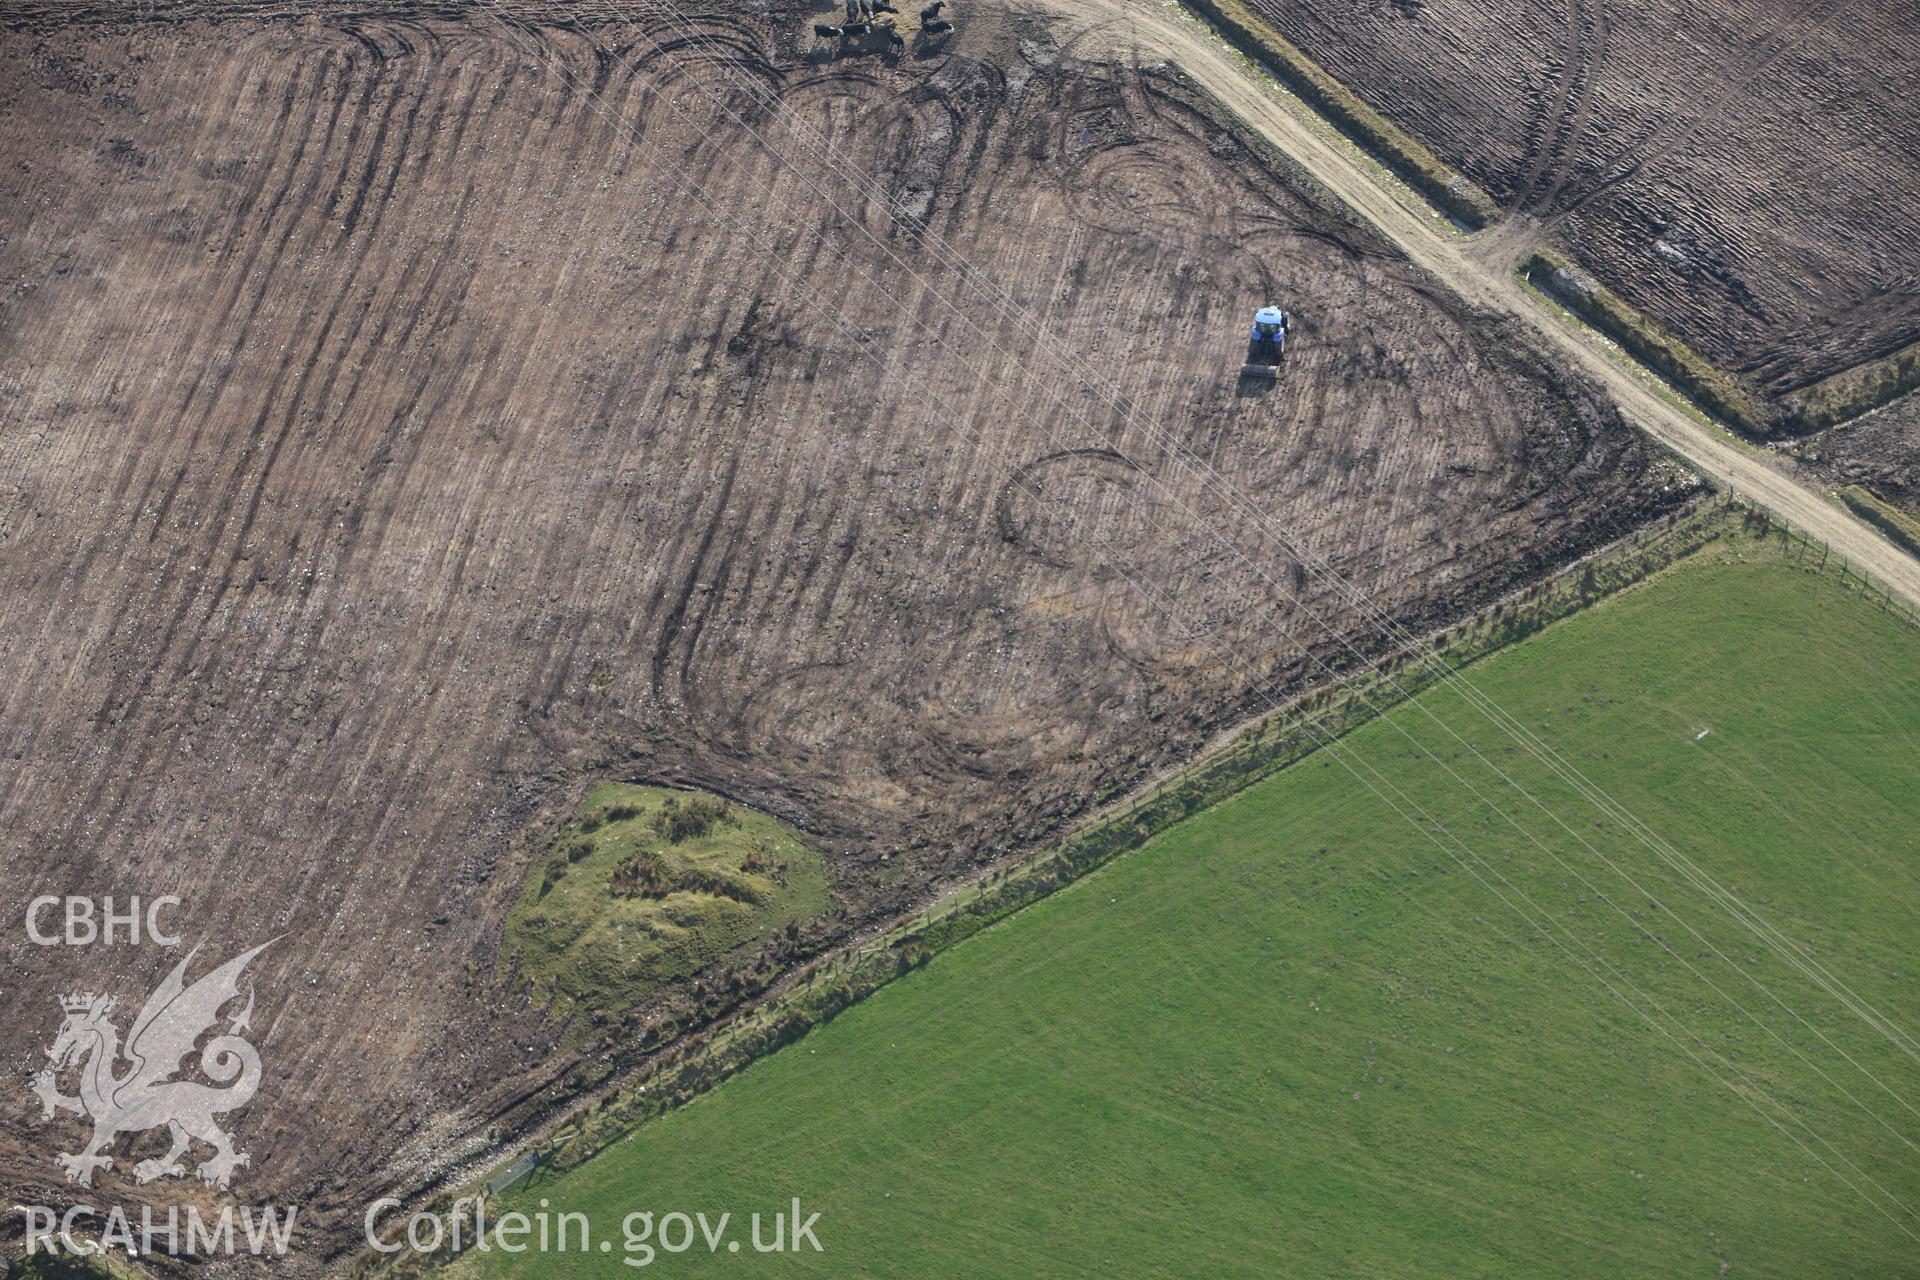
1805	549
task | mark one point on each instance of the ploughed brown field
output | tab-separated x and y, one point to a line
1742	170
395	444
1880	451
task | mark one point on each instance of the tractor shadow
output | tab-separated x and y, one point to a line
1253	387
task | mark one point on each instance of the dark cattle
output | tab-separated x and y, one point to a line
895	39
937	26
856	29
881	6
853	10
826	32
866	8
932	10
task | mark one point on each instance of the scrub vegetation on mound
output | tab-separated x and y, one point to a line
60	1265
1290	1038
649	886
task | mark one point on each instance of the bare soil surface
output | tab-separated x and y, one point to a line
1880	451
393	444
1743	170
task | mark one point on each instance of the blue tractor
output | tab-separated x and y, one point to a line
1267	344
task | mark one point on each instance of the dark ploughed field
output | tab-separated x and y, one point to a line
1743	170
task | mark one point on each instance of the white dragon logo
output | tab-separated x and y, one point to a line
145	1096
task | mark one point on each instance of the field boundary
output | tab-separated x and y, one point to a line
1852	392
1901	528
1409	158
1712	388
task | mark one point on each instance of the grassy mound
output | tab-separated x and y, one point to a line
651	885
41	1265
1290	1038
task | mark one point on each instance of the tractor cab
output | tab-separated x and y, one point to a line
1266	344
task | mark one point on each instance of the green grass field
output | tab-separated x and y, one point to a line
578	935
1292	1037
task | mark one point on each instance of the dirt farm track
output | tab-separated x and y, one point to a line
409	416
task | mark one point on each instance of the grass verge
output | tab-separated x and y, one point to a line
1884	516
44	1265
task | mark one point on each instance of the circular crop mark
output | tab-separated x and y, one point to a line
1063	506
1130	187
